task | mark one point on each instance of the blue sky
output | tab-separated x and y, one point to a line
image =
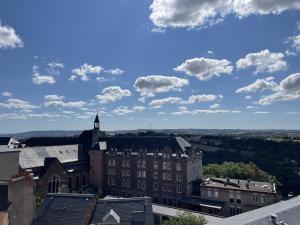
160	64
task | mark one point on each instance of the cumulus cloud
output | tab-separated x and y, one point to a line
9	38
55	67
148	86
40	78
123	110
215	106
183	111
263	61
288	90
14	103
84	70
195	13
58	102
295	40
203	98
259	85
112	94
7	94
158	103
115	71
205	69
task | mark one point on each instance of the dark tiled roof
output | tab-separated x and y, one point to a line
128	209
4	140
86	138
151	144
50	141
287	211
35	156
60	209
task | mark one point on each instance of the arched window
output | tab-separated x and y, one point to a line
53	184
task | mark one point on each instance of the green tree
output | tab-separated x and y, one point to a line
186	218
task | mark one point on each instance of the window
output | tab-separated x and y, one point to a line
262	199
166	166
83	179
77	181
126	163
70	183
216	193
255	198
231	196
111	171
178	166
111	181
141	184
238	198
141	173
179	188
53	184
126	182
232	211
126	173
141	164
155	175
167	176
238	210
155	186
209	193
111	162
166	155
155	165
178	177
167	187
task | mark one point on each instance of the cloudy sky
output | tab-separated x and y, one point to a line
141	64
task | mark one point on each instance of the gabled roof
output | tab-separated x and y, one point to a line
111	217
128	209
34	156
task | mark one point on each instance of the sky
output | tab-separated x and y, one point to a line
159	64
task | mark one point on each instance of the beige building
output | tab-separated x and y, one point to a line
228	197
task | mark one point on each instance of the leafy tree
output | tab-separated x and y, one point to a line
185	218
238	170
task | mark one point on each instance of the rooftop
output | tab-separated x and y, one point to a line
32	157
286	211
243	185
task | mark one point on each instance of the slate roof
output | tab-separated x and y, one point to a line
128	209
50	141
4	140
234	184
63	209
32	157
287	211
73	209
149	143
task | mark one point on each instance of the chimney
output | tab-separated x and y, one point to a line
273	218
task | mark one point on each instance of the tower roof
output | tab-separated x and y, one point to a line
97	119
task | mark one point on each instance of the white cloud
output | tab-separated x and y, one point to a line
251	107
12	116
261	112
123	110
248	97
292	113
158	103
295	40
54	67
54	98
7	94
264	61
13	103
259	85
68	112
215	106
148	86
196	13
203	98
298	25
205	69
115	71
58	101
210	52
288	53
112	94
41	79
84	70
183	110
9	38
288	90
